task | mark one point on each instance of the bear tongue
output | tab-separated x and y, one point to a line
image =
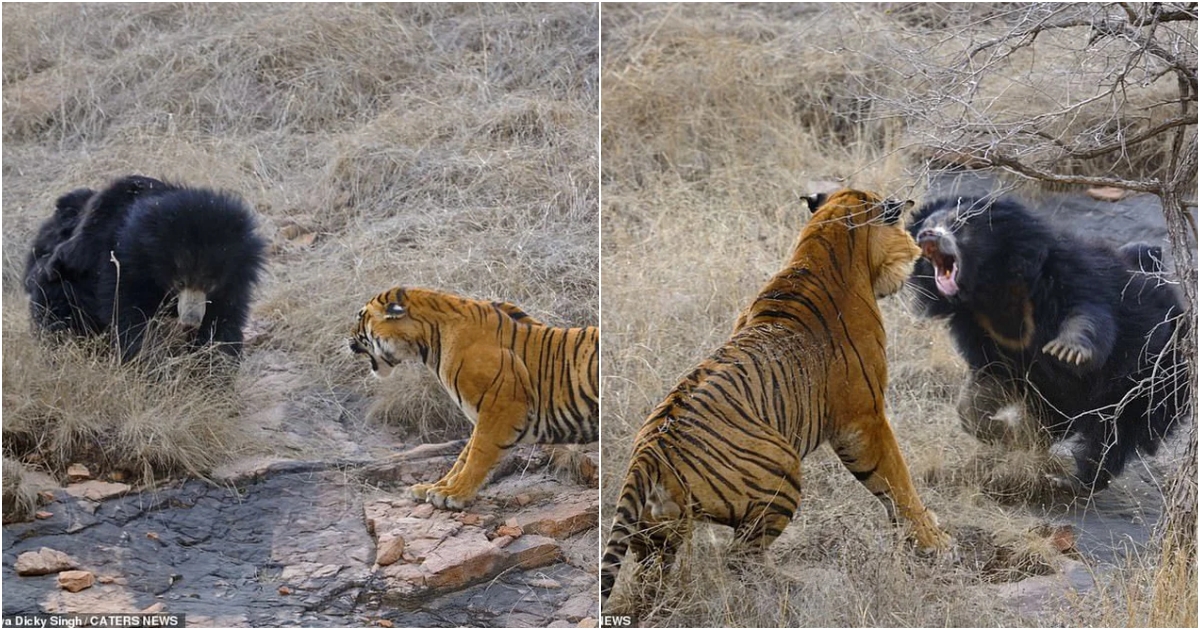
946	280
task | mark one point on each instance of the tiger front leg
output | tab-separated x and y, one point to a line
420	491
495	432
871	454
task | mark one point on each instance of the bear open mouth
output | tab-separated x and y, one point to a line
945	267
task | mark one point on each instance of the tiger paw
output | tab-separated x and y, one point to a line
420	491
446	499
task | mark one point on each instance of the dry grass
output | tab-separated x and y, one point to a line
716	118
450	146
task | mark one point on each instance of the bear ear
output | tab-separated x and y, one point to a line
393	311
814	201
893	210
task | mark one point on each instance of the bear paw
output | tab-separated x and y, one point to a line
1068	350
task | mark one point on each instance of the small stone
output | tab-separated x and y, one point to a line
116	475
95	490
75	581
386	623
470	519
389	551
107	579
1063	538
587	622
152	535
507	530
46	496
424	510
44	561
152	609
502	541
512	522
42	515
523	499
78	472
283	590
546	583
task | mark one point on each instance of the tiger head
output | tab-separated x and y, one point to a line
875	222
388	333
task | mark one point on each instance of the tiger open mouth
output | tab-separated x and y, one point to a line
945	266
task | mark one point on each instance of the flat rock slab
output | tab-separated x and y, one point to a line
289	546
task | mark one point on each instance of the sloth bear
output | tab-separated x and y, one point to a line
1076	331
62	268
138	246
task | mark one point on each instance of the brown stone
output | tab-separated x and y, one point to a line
389	551
385	623
587	622
283	590
502	541
424	510
44	561
78	472
75	581
523	499
152	609
42	514
561	520
506	530
531	552
1063	538
546	583
470	519
95	490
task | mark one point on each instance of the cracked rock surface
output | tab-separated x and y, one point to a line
296	543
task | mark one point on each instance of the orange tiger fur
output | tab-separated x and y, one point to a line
806	364
517	379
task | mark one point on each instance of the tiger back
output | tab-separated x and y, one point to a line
517	380
805	365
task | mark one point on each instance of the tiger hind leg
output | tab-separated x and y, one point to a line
871	454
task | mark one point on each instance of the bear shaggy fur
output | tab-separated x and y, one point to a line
1078	332
141	245
64	264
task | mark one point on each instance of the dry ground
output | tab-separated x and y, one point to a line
449	146
716	119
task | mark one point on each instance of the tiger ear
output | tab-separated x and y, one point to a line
814	201
894	210
393	311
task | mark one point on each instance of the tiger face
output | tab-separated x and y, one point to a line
880	223
387	334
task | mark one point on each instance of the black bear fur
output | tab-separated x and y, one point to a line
1074	329
115	259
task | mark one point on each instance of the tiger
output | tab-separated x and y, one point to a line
516	379
806	364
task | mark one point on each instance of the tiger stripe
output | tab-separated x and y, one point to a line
805	365
518	380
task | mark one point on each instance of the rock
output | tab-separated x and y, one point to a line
424	510
509	530
579	607
470	519
154	608
78	472
42	514
587	622
562	519
390	550
502	541
523	499
75	581
284	590
545	583
44	561
1063	538
385	623
106	579
95	490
